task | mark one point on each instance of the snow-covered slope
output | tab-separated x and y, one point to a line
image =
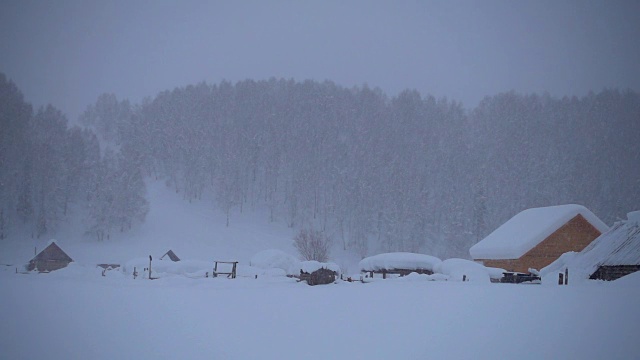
194	231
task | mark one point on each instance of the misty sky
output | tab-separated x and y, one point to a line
68	52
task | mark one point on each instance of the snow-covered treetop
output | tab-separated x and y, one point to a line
399	260
527	229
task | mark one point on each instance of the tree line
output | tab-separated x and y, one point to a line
52	175
376	173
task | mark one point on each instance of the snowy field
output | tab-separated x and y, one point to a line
77	314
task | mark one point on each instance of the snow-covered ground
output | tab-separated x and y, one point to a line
76	313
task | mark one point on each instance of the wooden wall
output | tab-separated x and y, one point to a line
575	235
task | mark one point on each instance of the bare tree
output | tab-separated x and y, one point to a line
312	245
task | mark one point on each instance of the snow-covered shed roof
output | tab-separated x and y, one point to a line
52	252
399	260
528	228
618	246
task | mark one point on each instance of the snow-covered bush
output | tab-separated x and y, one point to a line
312	245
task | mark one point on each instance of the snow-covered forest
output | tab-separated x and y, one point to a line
374	172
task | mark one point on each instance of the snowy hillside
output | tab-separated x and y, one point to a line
192	230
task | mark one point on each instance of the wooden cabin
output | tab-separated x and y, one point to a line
536	237
50	259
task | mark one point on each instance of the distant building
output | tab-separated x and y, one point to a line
50	259
171	255
536	237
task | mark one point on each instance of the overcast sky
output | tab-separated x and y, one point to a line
68	52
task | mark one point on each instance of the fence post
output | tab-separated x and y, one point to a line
566	276
464	278
560	279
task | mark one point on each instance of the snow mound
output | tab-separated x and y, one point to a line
273	259
311	266
163	268
399	260
455	269
527	229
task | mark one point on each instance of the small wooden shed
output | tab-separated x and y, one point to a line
50	259
171	255
536	237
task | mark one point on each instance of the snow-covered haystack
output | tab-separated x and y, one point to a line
399	260
273	259
311	266
456	269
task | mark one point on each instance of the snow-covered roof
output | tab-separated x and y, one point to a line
399	260
618	246
457	268
528	228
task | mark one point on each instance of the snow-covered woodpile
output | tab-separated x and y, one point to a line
314	272
536	237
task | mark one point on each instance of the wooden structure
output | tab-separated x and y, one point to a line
566	228
50	259
108	266
230	275
321	276
401	272
613	272
519	278
171	255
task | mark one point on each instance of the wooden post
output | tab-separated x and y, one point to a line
560	279
566	276
464	278
384	274
233	271
150	258
135	273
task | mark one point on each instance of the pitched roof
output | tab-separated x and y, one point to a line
52	252
527	229
171	256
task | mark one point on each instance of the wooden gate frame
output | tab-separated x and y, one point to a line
231	275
